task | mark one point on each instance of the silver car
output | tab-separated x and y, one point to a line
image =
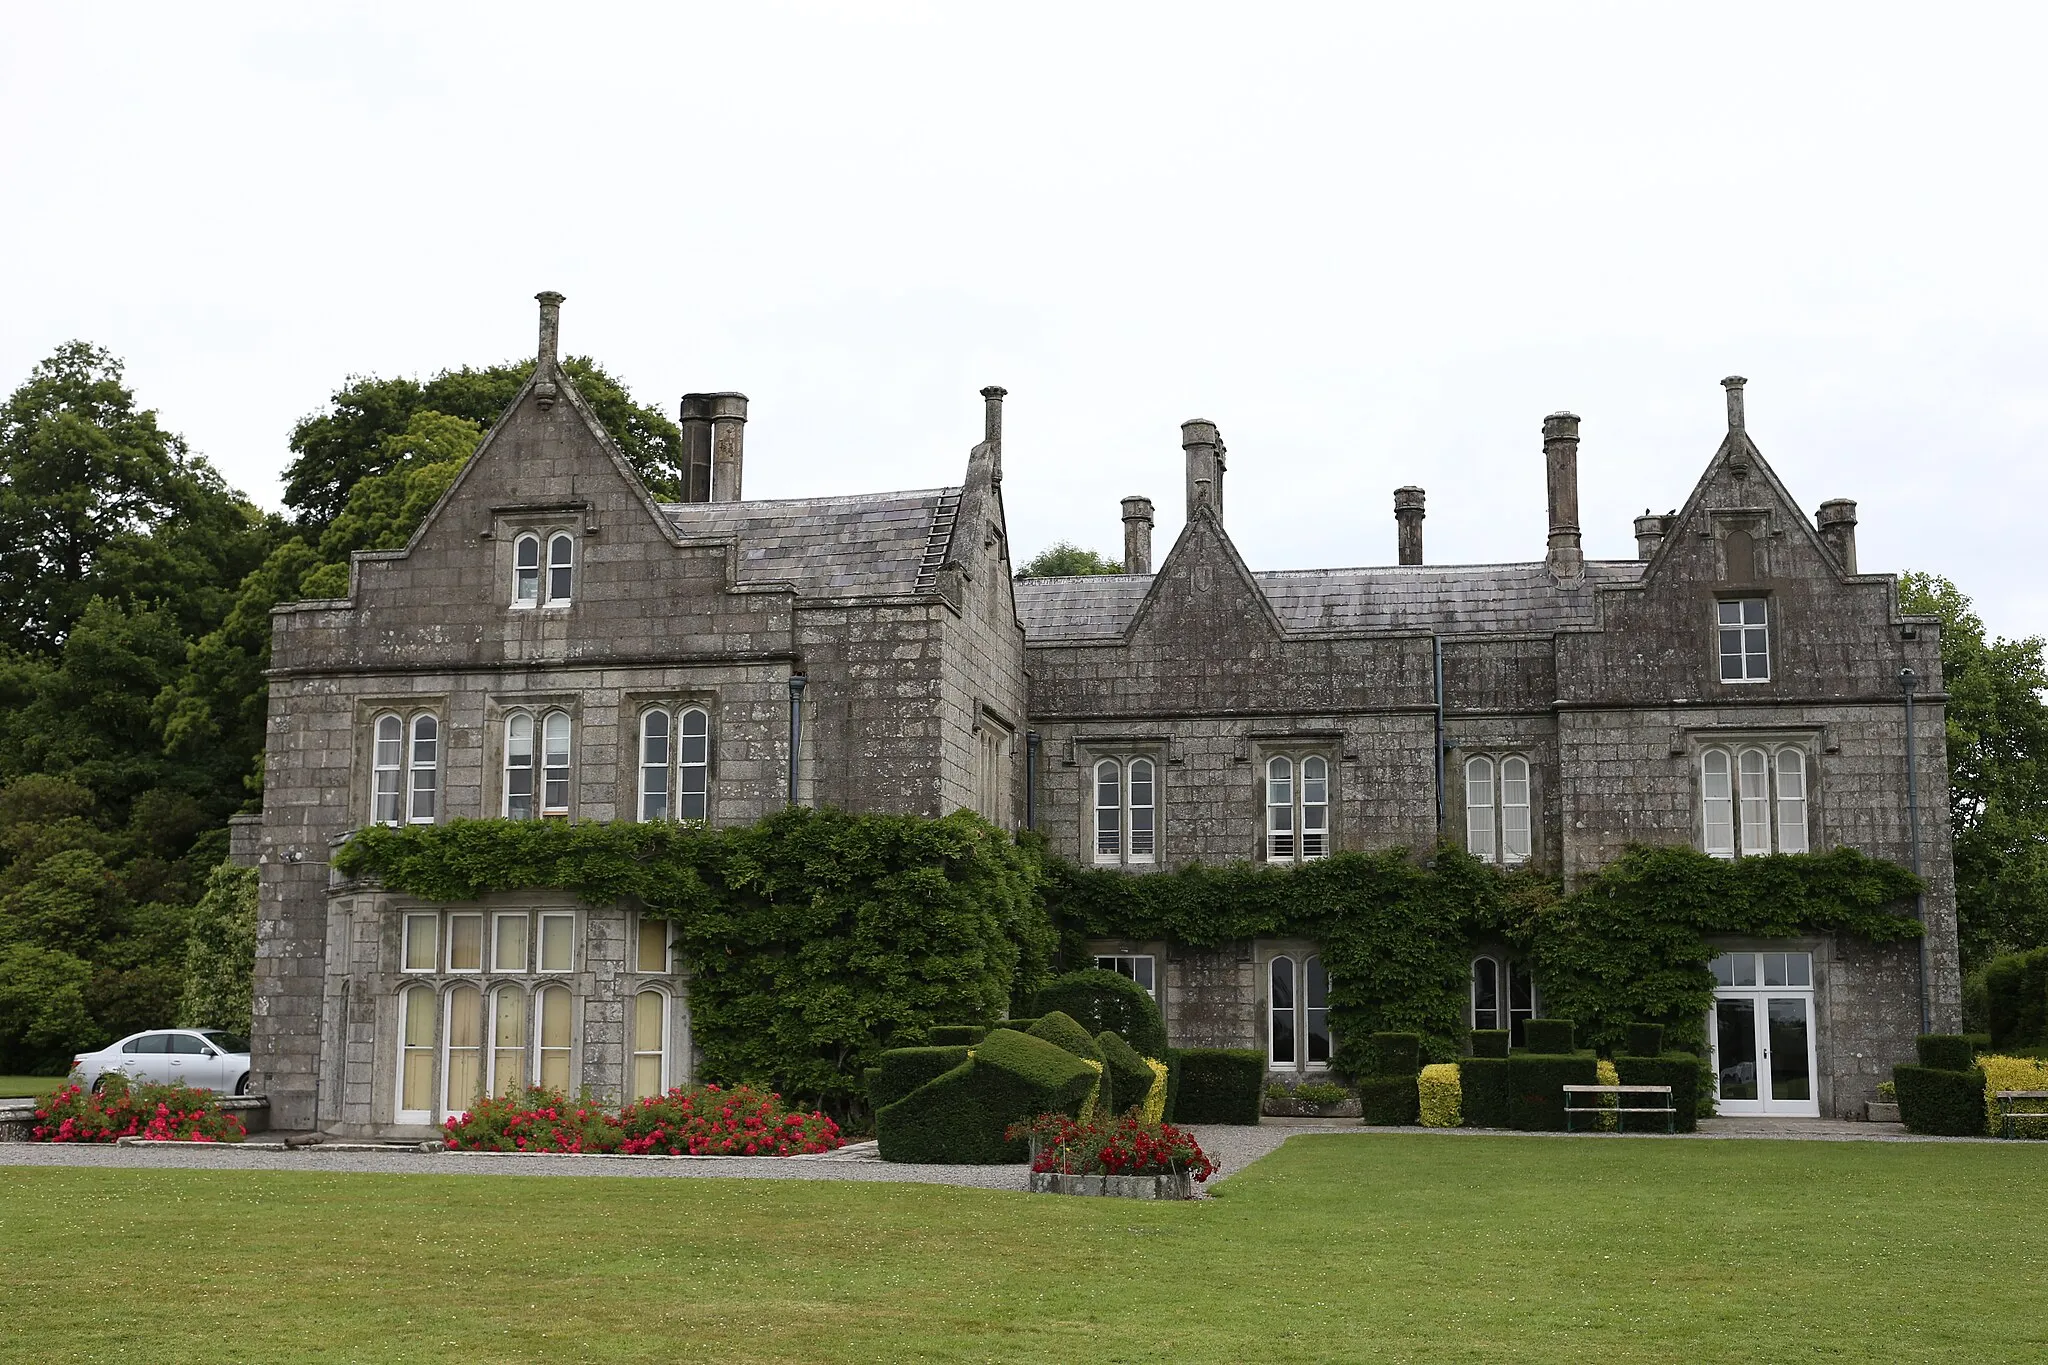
203	1058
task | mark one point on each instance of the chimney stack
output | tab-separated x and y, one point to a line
992	428
1203	446
1137	535
1650	532
728	434
1837	521
545	363
1561	470
696	424
1733	383
1408	523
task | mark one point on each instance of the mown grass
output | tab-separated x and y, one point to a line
1338	1248
16	1087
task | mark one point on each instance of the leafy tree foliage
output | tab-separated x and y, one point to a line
1998	771
1064	559
220	956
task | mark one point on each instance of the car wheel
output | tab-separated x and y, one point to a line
97	1083
242	1086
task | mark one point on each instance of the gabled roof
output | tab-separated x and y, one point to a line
1458	599
854	545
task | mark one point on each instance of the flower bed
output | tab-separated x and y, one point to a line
1126	1156
155	1113
705	1120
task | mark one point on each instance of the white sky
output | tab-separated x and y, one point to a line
1374	244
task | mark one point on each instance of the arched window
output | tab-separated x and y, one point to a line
1791	801
462	1052
386	768
526	571
519	766
1485	993
1479	834
1315	1011
508	1040
1281	1049
1754	789
1508	1004
1141	804
1126	810
561	570
1514	809
416	1055
555	763
1315	807
1717	795
426	774
1109	811
554	1031
1497	808
693	765
1280	809
650	1044
654	756
1753	801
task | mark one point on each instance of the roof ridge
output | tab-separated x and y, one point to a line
903	494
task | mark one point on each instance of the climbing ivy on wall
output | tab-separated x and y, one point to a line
813	939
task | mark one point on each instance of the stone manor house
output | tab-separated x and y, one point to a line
554	644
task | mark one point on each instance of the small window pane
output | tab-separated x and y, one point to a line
390	745
1479	810
561	570
416	1069
1754	777
421	949
465	943
1514	810
508	1041
651	954
1141	806
554	1038
1315	1000
1280	809
1799	969
1717	793
649	1050
693	767
654	765
526	575
519	766
1109	832
1774	969
1280	985
464	1057
1723	970
1485	993
1315	808
508	949
555	763
1138	968
1791	801
557	942
1741	969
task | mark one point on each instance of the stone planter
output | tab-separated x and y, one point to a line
1115	1186
1301	1109
1875	1111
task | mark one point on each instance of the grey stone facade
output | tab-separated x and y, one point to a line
923	669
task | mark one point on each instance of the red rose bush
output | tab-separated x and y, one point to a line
1129	1145
706	1120
157	1113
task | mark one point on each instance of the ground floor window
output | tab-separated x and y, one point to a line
1137	966
416	1055
650	1043
1503	996
1762	1033
1297	1013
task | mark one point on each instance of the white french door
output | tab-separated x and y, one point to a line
1764	1053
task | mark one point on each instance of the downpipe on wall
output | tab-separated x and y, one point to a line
1436	650
796	732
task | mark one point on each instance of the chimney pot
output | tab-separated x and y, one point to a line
1408	516
1650	531
728	436
1733	383
1203	446
1561	475
695	420
992	428
1137	535
1837	522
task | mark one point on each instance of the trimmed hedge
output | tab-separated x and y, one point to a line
1483	1086
1680	1071
2016	998
960	1117
1644	1040
1945	1051
904	1069
1099	1000
1940	1103
1548	1037
1389	1101
1438	1090
1019	1025
1535	1086
1219	1085
1130	1080
1490	1042
956	1035
1064	1031
1395	1054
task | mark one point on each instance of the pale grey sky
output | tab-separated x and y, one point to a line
1374	243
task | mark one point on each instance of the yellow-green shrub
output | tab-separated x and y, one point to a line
1094	1100
1155	1098
1608	1103
2014	1073
1443	1097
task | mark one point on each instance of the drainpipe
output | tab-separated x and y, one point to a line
796	732
1031	779
1436	649
1909	682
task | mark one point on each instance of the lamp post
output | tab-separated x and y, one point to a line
796	732
1909	683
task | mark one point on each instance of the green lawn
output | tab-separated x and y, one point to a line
1338	1248
13	1087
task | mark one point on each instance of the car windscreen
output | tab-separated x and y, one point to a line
226	1042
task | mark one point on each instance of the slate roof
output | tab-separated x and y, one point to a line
856	545
1459	599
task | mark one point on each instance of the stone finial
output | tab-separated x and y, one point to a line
547	361
1137	534
1733	383
1561	475
1837	523
1408	516
992	428
1202	444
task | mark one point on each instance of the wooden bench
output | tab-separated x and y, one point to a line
1620	1111
2009	1117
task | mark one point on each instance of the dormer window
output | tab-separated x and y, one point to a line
529	587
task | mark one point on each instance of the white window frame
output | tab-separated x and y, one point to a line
1299	972
657	797
423	799
515	769
447	1042
1751	638
683	769
400	1114
387	768
557	780
1498	830
526	578
668	946
1136	802
1127	965
483	947
541	965
634	1052
1755	799
410	927
537	1059
498	919
493	1007
1298	828
561	570
1506	972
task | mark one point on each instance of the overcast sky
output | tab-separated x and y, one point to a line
1374	244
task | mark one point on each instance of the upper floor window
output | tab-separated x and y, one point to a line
405	772
1497	808
1126	811
1297	1013
992	774
1753	800
1138	967
1745	639
527	581
552	787
675	764
1297	812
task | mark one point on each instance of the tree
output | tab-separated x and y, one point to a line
1998	771
220	960
1064	559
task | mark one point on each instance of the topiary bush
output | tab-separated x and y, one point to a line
1019	1025
1394	1054
1218	1084
1125	1072
963	1116
1389	1101
1644	1040
2016	999
1551	1037
1440	1092
1483	1091
1063	1031
956	1035
1490	1042
1940	1102
903	1069
2015	1073
1945	1051
1099	1000
1679	1070
1536	1084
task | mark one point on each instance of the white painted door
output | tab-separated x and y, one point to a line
1765	1054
